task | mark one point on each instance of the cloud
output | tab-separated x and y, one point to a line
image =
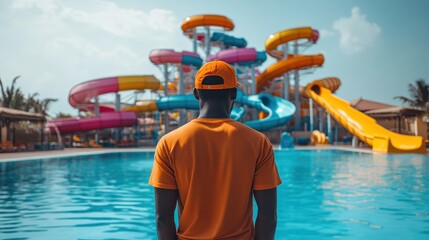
356	32
75	41
108	17
325	33
47	6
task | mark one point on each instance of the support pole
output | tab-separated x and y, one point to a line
117	108
286	78
336	132
207	42
97	107
166	73
297	103
253	76
311	115
182	112
97	113
328	119
194	40
296	93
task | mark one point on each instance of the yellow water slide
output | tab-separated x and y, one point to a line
363	126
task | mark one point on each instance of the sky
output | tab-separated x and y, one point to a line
376	48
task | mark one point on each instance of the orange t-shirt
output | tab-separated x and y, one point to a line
215	164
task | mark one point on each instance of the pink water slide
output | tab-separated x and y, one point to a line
81	94
235	55
169	56
105	120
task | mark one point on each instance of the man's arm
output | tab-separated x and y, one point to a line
266	221
165	204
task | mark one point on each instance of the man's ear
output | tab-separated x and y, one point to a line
196	94
233	93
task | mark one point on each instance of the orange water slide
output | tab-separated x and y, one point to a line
298	37
281	67
206	20
289	35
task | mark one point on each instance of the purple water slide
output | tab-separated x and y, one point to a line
235	55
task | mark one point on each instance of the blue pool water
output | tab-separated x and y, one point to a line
325	195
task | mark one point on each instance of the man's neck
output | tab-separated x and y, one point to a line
214	112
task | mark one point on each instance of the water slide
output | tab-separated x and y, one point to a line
190	23
169	56
81	94
278	110
291	63
224	41
241	56
363	126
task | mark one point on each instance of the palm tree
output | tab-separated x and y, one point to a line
31	103
45	104
63	115
419	95
12	97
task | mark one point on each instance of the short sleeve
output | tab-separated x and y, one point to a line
162	175
266	173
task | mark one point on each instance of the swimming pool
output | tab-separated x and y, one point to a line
325	194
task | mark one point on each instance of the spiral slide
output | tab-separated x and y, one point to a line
278	109
190	23
293	62
80	95
164	56
363	126
240	56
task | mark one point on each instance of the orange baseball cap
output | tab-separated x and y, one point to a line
216	75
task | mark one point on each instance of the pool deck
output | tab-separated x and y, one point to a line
16	156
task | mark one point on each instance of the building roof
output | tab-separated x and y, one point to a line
395	111
18	115
365	105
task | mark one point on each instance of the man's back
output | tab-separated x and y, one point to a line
215	164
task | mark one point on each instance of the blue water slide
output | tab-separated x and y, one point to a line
228	41
279	110
189	102
186	101
192	60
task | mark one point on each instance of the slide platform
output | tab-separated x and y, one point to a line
363	126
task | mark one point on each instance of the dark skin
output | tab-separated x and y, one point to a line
165	204
216	109
266	221
166	199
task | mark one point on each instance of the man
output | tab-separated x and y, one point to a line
211	167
